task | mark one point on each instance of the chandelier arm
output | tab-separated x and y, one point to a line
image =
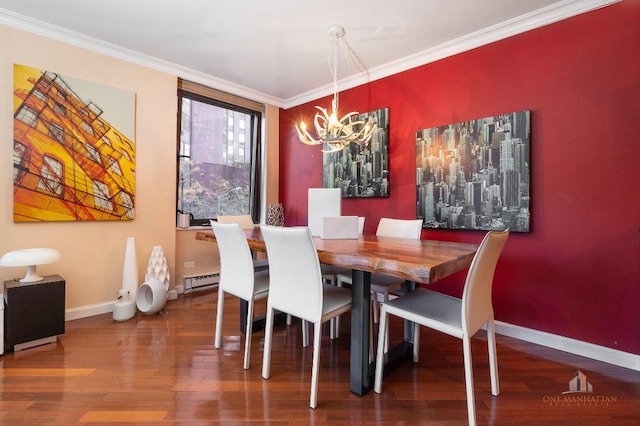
320	124
309	140
348	116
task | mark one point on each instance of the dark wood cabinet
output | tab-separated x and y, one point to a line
33	311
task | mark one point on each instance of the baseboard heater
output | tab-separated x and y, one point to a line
204	281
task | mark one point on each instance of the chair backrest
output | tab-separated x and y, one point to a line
340	227
399	228
245	220
236	263
476	295
361	224
322	202
295	280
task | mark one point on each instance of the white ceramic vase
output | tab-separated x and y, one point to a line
130	269
152	294
151	297
157	267
275	214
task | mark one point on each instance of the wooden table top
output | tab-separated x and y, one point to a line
422	261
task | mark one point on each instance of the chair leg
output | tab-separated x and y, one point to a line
332	328
416	342
336	320
385	298
305	334
371	341
218	338
468	378
268	336
384	319
317	333
248	331
493	358
375	306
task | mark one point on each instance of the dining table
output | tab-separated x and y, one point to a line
417	261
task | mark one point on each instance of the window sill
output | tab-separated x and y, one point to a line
194	228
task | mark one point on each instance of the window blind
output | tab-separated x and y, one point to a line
228	98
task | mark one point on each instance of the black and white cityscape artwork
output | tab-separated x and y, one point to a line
475	174
361	171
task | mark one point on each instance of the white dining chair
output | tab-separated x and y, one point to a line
460	318
246	222
238	278
330	272
296	288
382	286
322	202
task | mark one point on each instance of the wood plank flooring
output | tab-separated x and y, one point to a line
164	369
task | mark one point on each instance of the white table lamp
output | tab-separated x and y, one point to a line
30	258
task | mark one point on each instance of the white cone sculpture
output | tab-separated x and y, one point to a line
152	294
122	310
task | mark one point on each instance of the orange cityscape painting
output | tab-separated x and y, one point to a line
73	149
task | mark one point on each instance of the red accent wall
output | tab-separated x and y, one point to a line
577	274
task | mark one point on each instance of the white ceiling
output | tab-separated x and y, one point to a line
277	51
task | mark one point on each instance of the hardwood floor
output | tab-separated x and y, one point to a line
164	369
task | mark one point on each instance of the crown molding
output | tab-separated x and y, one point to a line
73	38
539	18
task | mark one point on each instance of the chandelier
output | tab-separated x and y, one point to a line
333	133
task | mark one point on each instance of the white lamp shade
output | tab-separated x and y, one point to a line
30	258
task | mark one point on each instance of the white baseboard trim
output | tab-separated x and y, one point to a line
573	346
88	311
554	341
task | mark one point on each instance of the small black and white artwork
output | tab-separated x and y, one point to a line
475	174
361	171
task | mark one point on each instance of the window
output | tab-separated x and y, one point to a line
93	153
51	175
87	128
114	167
19	159
217	175
127	204
60	109
27	116
56	131
38	94
101	196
